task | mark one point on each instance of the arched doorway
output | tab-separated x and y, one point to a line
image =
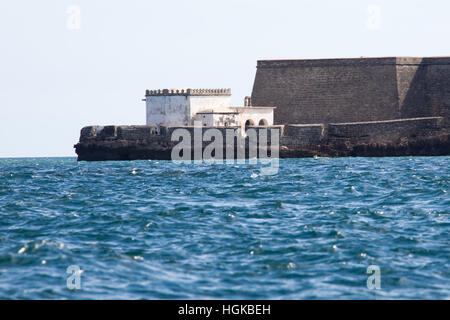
263	122
249	123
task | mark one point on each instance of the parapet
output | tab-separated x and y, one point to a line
362	61
103	133
188	92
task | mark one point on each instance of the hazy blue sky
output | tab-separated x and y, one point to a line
59	73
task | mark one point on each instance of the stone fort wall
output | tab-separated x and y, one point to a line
304	135
353	90
416	136
291	134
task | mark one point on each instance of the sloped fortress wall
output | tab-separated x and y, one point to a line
353	90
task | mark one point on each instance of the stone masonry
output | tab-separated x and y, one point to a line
353	90
394	106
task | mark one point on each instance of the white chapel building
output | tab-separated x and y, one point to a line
210	107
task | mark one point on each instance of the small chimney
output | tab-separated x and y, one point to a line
247	101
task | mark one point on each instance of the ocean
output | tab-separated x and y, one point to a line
344	228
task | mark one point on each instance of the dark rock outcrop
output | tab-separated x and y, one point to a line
404	137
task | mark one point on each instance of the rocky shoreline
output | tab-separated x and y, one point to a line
406	137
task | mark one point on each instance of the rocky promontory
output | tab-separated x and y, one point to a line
427	136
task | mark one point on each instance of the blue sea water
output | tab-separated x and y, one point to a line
161	230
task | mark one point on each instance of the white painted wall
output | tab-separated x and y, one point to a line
168	110
256	114
182	110
226	120
217	119
204	103
206	119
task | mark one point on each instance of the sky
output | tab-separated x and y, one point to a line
69	64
